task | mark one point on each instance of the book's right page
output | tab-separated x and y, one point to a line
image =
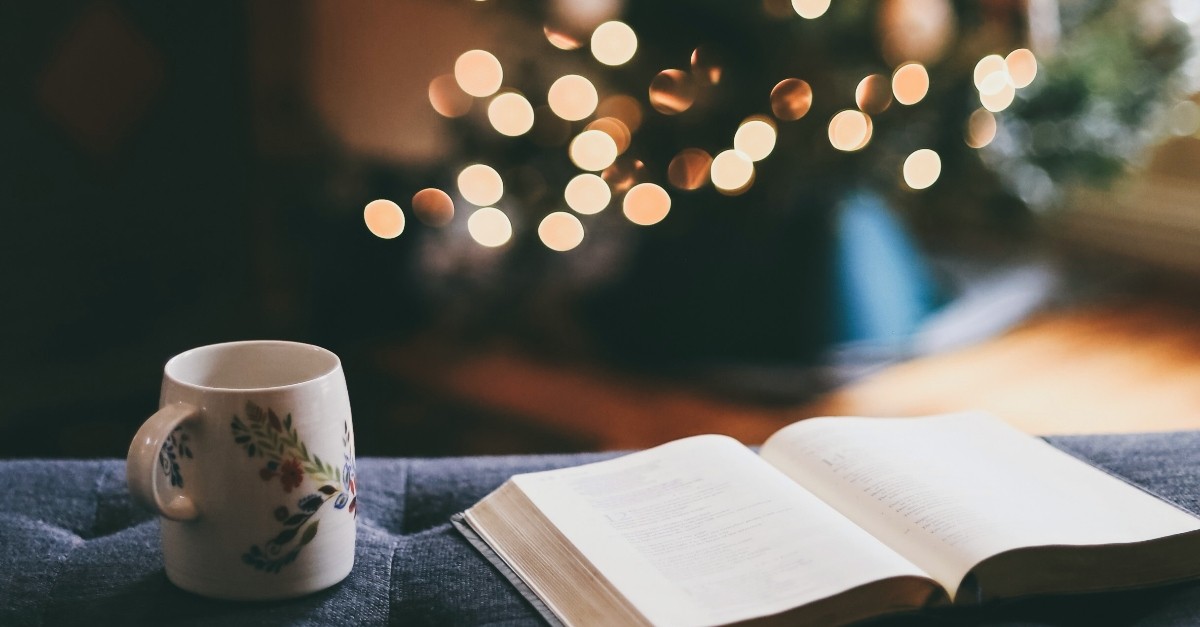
948	492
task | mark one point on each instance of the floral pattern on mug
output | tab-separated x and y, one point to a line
175	448
287	459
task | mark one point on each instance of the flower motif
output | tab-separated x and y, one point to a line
290	475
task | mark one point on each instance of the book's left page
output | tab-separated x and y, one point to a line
702	532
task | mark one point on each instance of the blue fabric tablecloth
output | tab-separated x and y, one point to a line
74	550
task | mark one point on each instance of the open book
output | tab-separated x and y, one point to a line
838	519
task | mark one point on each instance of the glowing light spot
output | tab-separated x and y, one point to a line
490	227
705	66
572	97
731	171
810	9
615	129
646	204
922	168
447	98
587	194
755	138
994	83
593	150
478	73
910	83
999	100
623	174
672	91
560	39
384	218
986	67
613	43
622	107
1184	118
560	231
850	130
981	128
1022	67
874	94
480	184
791	99
689	169
510	114
433	207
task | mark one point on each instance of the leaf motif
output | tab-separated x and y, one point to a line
309	533
287	422
284	536
281	513
254	412
250	449
295	519
327	489
242	439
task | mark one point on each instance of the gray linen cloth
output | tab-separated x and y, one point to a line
74	550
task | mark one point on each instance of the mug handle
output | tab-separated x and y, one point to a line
141	464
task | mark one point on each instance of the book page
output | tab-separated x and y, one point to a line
948	491
701	531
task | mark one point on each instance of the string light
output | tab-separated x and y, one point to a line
593	150
850	130
810	9
910	83
480	184
731	171
688	170
587	194
490	227
1022	67
672	91
447	98
981	128
613	43
384	218
646	204
791	98
615	129
873	94
755	138
572	97
478	73
560	231
433	207
922	168
510	114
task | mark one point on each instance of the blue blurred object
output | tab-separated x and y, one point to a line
884	287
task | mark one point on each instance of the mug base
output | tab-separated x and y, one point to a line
225	590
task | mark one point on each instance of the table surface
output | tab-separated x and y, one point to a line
75	550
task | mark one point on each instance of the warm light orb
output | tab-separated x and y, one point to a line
922	168
810	9
986	67
384	218
873	94
689	169
755	138
433	207
447	98
615	129
672	91
560	231
622	107
587	194
646	204
999	100
478	73
613	43
1022	67
510	114
705	66
981	128
850	130
480	184
623	174
731	171
572	97
490	227
560	39
791	98
910	83
593	150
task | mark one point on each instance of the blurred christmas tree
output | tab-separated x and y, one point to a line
674	169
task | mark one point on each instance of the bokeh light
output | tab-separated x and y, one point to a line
433	207
689	169
791	98
922	168
510	114
480	184
587	194
1184	118
560	231
622	107
593	150
810	9
999	100
873	94
988	66
755	138
706	67
490	227
615	129
447	98
910	83
384	218
850	130
560	39
646	204
613	43
981	128
731	171
1022	67
478	73
572	97
623	174
672	91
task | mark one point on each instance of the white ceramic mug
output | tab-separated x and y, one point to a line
250	462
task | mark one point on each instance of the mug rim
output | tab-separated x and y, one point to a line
335	367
